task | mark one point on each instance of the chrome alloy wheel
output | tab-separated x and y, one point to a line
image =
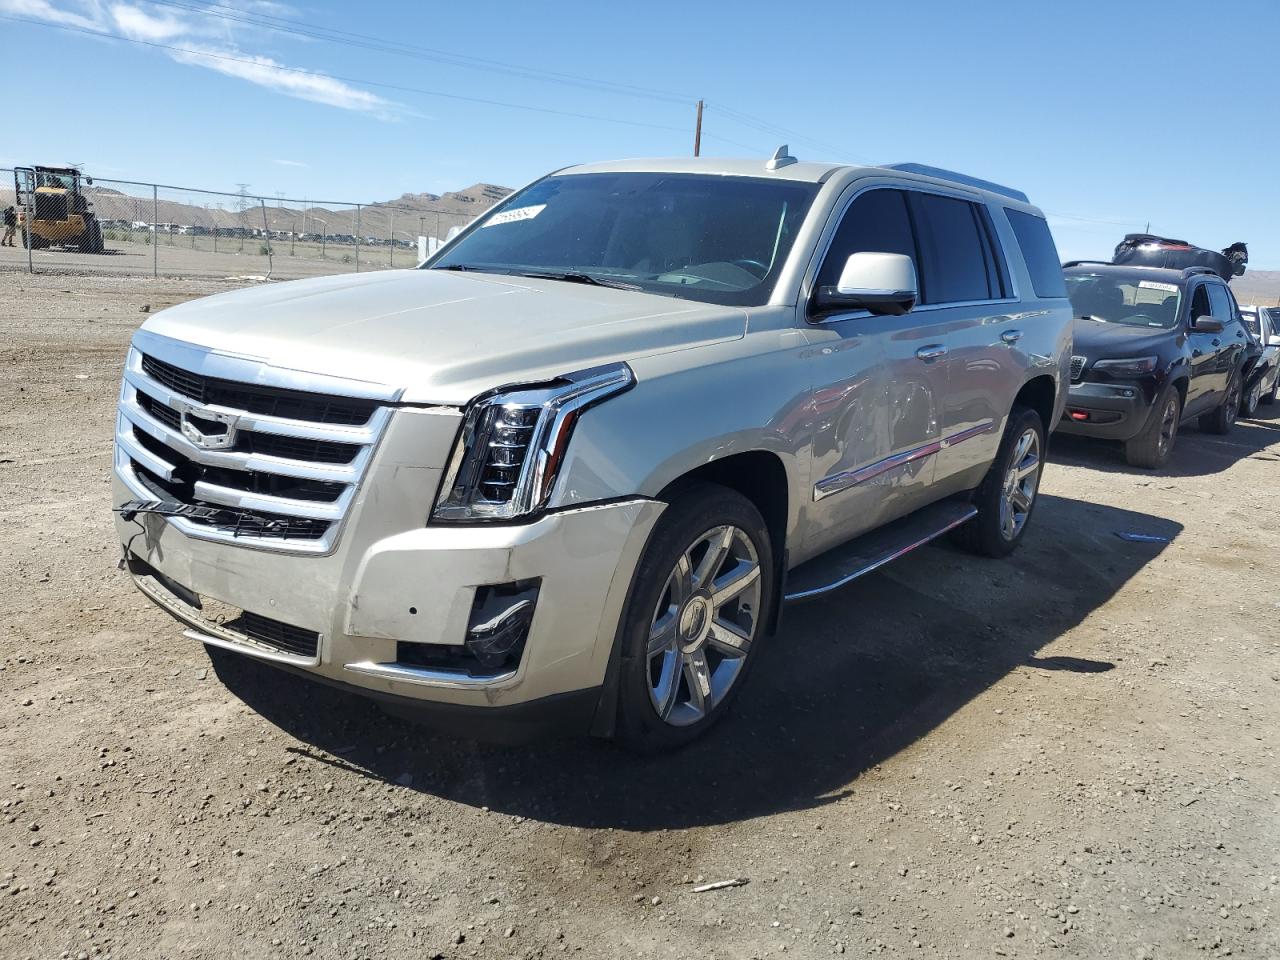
703	626
1168	427
1020	484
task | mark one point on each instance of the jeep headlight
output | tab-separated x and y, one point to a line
1127	366
513	442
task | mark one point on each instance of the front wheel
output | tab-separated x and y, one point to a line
698	604
1270	397
1223	418
1007	495
1249	405
1151	448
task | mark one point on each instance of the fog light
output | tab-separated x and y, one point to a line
499	624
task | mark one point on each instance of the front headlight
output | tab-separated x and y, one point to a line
513	442
1127	366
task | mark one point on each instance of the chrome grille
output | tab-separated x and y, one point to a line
1077	368
216	431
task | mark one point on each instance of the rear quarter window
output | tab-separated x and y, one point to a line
1039	253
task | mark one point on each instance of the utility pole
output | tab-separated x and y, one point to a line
697	133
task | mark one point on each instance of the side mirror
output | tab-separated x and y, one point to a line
882	283
1273	340
88	181
1207	324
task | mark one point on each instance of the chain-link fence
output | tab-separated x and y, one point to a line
68	222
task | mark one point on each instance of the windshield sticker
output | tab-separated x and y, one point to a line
511	216
1156	285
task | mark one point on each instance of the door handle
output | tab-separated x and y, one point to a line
932	352
1011	336
1217	343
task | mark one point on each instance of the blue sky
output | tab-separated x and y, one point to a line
1109	114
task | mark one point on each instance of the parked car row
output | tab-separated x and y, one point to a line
1158	346
565	476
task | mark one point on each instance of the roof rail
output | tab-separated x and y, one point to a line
1193	271
938	173
1081	263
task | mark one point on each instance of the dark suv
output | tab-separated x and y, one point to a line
1153	347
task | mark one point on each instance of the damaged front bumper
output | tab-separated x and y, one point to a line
391	616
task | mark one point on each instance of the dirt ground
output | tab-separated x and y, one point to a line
194	257
1072	753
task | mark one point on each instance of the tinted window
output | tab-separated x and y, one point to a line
952	249
1200	303
877	222
1039	252
1220	302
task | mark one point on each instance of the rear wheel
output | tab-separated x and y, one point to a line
696	615
1151	448
1223	418
32	241
1270	397
1007	494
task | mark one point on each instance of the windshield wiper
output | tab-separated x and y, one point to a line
576	277
470	268
1089	316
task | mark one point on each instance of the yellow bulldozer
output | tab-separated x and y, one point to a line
53	210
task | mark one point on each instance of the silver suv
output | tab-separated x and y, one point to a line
564	475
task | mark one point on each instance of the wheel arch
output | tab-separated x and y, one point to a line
1040	393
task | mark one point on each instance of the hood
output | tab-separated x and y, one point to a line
1099	341
443	337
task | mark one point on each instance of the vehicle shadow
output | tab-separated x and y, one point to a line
848	682
1196	453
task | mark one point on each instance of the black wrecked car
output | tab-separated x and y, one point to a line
1154	347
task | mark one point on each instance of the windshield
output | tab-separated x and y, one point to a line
1139	303
710	238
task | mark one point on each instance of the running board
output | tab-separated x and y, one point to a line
849	561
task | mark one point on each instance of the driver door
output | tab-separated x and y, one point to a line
879	386
1204	385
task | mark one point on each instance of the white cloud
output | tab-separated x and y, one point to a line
89	16
295	82
146	23
140	25
288	163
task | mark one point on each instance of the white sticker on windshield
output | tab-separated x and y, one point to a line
511	216
1156	285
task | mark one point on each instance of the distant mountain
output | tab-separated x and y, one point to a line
406	215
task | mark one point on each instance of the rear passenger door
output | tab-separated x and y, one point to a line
966	297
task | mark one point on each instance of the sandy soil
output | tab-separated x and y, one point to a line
1072	753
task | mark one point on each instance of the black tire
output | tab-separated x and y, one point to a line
32	241
1251	398
91	240
1223	418
1269	398
987	533
1152	448
694	513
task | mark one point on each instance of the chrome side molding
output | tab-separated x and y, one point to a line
836	482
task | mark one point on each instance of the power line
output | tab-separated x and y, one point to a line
366	41
205	54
